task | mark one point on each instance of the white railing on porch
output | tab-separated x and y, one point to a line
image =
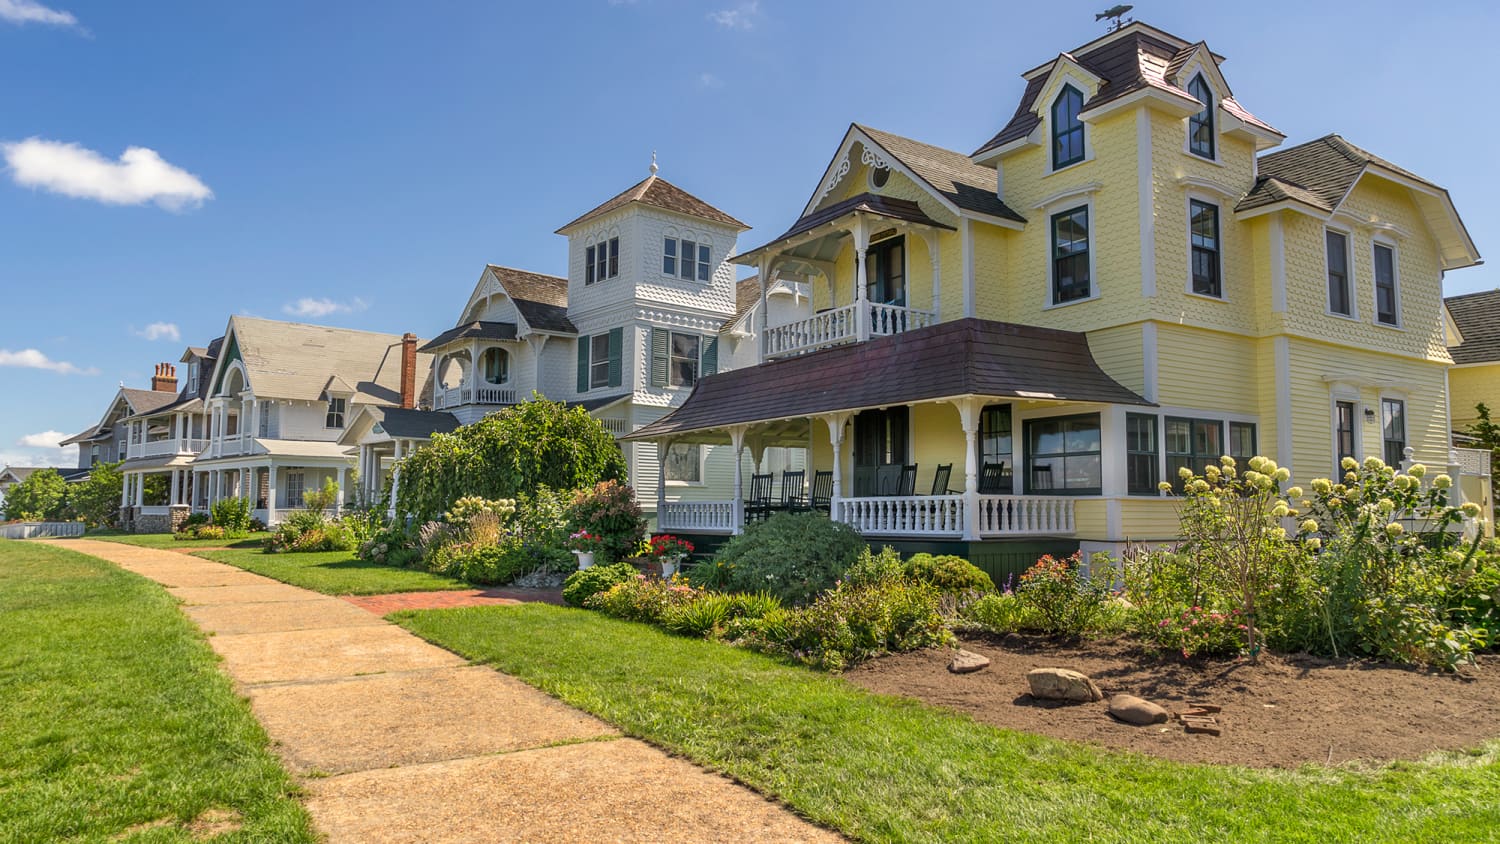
158	448
1473	461
618	427
469	394
1025	515
886	320
814	332
915	515
494	395
697	516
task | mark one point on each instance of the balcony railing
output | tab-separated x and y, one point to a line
467	394
842	325
159	448
697	516
1473	461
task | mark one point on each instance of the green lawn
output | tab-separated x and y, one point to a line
114	716
335	572
165	540
889	769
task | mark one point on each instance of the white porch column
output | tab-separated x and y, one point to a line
765	316
737	443
140	490
661	480
125	491
396	476
861	302
836	422
338	504
968	416
176	487
271	494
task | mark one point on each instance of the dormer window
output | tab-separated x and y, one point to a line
192	379
601	261
1201	125
1067	129
335	418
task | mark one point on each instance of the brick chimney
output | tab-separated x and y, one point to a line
165	379
409	370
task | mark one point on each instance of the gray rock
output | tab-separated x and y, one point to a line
1062	684
1138	711
967	662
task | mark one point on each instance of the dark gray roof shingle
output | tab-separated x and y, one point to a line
1478	318
966	184
1319	172
478	330
541	299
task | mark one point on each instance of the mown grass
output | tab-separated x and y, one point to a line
166	540
114	716
335	572
890	769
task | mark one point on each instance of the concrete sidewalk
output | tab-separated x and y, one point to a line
396	739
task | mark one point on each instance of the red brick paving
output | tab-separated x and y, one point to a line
383	604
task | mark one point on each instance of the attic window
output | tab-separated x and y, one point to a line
1201	125
1067	129
879	176
335	413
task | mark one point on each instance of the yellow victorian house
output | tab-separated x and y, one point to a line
1007	351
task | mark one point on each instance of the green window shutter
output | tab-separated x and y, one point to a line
616	346
711	356
661	341
583	364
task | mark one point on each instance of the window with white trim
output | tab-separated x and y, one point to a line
1070	256
1340	298
1387	301
1344	434
1194	444
686	259
601	261
685	463
296	483
192	379
335	417
599	360
1201	125
1203	235
1067	129
1393	430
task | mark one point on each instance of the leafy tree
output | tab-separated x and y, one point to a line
510	454
41	497
96	499
1488	434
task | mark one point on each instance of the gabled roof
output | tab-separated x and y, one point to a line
400	423
1322	172
292	360
746	297
660	193
1478	319
542	300
146	401
951	174
20	473
478	330
1134	58
966	357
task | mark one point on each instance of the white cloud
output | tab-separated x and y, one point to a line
30	11
33	359
708	80
160	331
310	307
140	176
740	17
45	439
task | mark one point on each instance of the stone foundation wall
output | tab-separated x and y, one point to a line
178	515
152	524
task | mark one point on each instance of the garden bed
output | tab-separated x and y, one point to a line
1285	712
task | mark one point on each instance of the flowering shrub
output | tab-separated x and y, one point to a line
851	623
665	545
233	515
948	573
391	545
201	532
1067	601
609	511
1200	632
465	509
794	556
581	585
584	541
1001	613
642	598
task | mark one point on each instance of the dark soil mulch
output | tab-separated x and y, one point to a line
1283	712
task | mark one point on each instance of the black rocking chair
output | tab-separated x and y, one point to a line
941	478
822	491
992	479
794	491
758	504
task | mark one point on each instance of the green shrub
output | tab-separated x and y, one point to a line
703	617
466	508
641	598
1197	631
308	531
490	564
851	623
193	520
1067	601
96	499
42	497
871	568
201	531
392	545
948	573
1002	613
609	511
794	556
232	514
581	585
1475	603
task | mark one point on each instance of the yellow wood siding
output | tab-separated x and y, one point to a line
1149	519
1118	351
1207	369
1470	385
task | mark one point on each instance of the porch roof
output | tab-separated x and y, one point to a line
966	357
869	203
478	330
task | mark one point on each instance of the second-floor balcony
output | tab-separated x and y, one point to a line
847	324
470	393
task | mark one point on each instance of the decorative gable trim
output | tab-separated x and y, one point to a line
873	154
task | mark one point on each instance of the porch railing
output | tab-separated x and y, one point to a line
697	516
494	395
1473	461
1025	515
886	320
618	427
158	448
916	515
469	394
814	332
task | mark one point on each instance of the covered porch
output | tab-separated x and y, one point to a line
276	482
964	431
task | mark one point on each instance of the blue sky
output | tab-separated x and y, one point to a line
371	157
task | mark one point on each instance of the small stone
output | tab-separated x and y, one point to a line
1062	684
967	662
1138	711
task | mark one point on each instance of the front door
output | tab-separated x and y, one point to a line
879	441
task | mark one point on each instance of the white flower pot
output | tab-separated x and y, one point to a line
585	559
670	565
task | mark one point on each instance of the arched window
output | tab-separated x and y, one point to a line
1067	129
496	366
1201	125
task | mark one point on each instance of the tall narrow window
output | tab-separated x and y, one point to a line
601	262
588	265
689	249
1070	256
1203	232
496	365
295	486
1387	308
335	413
1201	125
1067	129
669	256
1339	300
683	369
1063	454
1143	471
996	448
1343	426
887	284
1393	430
1192	443
599	361
704	266
614	257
